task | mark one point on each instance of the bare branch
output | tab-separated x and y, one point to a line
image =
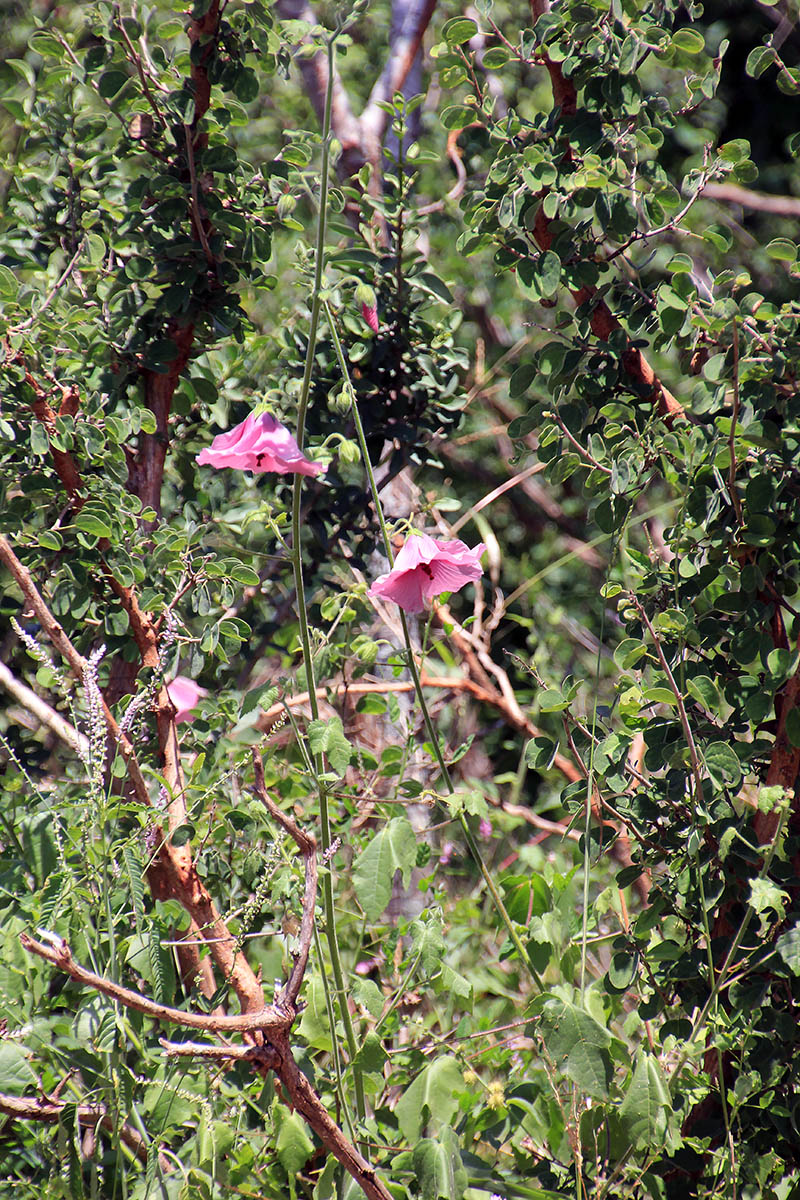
43	712
76	661
308	1104
732	193
90	1116
269	1018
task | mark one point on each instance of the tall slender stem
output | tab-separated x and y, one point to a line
412	666
297	567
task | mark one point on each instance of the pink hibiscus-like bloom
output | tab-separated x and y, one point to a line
184	694
425	568
259	443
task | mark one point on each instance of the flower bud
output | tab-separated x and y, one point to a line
286	205
366	297
349	451
341	401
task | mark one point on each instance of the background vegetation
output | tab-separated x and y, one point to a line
502	900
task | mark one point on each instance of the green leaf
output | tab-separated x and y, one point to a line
735	151
437	1088
292	1144
427	942
690	41
549	273
450	983
392	849
759	60
521	379
314	1027
23	69
647	1104
92	524
578	1043
781	249
160	958
540	753
9	284
526	896
496	57
722	764
459	30
327	737
428	282
259	697
766	895
788	946
110	83
371	1056
17	1076
703	688
367	994
438	1167
457	116
135	871
96	248
628	652
246	85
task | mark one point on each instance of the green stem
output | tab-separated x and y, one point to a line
297	567
711	975
337	1062
729	957
412	666
587	824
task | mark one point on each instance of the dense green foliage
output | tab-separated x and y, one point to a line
556	947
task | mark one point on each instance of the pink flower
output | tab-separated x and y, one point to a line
425	568
485	828
370	314
184	694
259	444
448	849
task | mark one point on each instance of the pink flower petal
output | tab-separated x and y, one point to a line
184	694
404	587
419	548
425	568
258	444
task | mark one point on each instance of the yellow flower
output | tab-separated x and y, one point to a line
496	1096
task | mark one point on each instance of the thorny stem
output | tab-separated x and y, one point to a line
297	567
414	671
